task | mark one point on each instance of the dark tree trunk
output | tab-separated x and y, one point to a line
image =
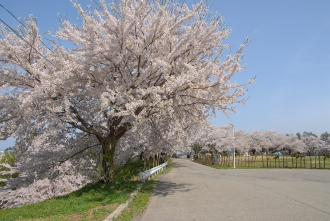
108	152
108	165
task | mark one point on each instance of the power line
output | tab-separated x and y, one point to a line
23	25
15	32
12	15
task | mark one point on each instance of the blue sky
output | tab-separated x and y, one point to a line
289	53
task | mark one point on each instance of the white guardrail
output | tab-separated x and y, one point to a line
148	173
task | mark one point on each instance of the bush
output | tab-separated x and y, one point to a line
128	171
169	163
296	154
3	168
9	158
8	176
196	147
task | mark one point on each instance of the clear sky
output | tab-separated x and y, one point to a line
289	53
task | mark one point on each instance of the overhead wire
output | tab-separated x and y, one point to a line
15	32
23	25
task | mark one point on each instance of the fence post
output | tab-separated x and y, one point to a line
296	162
275	160
315	160
286	161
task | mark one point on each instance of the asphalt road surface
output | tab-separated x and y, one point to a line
191	191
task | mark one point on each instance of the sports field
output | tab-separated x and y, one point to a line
259	161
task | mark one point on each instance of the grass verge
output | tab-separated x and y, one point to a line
92	202
141	200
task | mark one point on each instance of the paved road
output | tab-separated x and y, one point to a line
195	192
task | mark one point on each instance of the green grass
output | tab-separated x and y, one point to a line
281	162
141	200
92	202
85	199
2	168
8	176
139	203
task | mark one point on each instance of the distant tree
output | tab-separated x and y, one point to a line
196	147
308	134
313	143
298	135
325	136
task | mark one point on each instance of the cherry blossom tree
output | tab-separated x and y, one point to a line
221	138
292	143
312	143
260	141
325	137
41	189
132	61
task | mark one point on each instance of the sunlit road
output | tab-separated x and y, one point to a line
195	192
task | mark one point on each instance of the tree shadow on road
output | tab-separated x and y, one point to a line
169	188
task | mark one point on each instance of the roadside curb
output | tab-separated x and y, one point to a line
123	206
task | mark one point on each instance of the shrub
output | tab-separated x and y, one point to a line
128	171
9	158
